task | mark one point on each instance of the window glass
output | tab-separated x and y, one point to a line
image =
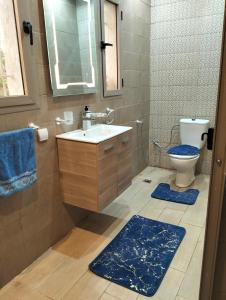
11	81
111	52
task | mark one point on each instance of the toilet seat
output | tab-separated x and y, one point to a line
183	151
183	157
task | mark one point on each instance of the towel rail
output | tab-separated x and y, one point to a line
32	125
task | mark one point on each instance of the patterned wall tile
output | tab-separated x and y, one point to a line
186	9
185	50
183	27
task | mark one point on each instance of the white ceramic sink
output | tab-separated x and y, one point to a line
95	135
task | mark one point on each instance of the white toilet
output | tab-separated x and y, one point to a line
185	156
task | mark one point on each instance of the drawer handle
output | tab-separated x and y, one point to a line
125	141
108	148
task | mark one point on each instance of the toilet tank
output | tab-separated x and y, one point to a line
191	131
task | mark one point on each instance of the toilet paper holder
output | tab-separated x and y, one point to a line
42	133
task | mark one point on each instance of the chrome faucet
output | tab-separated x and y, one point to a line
88	116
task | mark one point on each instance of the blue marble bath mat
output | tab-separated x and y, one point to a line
163	192
139	256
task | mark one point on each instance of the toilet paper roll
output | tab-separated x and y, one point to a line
43	134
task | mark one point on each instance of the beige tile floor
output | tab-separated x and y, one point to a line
62	272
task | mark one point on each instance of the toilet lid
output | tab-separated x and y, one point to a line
185	150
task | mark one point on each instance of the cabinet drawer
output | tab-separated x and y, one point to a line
107	196
108	171
124	170
125	141
107	148
77	158
124	161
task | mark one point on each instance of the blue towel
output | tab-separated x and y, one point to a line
184	150
163	192
17	161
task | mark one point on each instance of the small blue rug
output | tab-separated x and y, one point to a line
139	256
163	192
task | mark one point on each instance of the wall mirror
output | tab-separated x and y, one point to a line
71	42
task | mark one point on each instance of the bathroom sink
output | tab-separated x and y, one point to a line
96	134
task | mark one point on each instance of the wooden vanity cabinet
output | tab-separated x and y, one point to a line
93	175
124	161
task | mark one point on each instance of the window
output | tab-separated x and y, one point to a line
16	60
110	47
11	81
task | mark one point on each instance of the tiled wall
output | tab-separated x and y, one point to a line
185	58
31	221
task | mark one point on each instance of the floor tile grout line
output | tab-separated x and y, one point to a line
174	268
194	225
189	265
74	283
191	256
105	290
177	295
